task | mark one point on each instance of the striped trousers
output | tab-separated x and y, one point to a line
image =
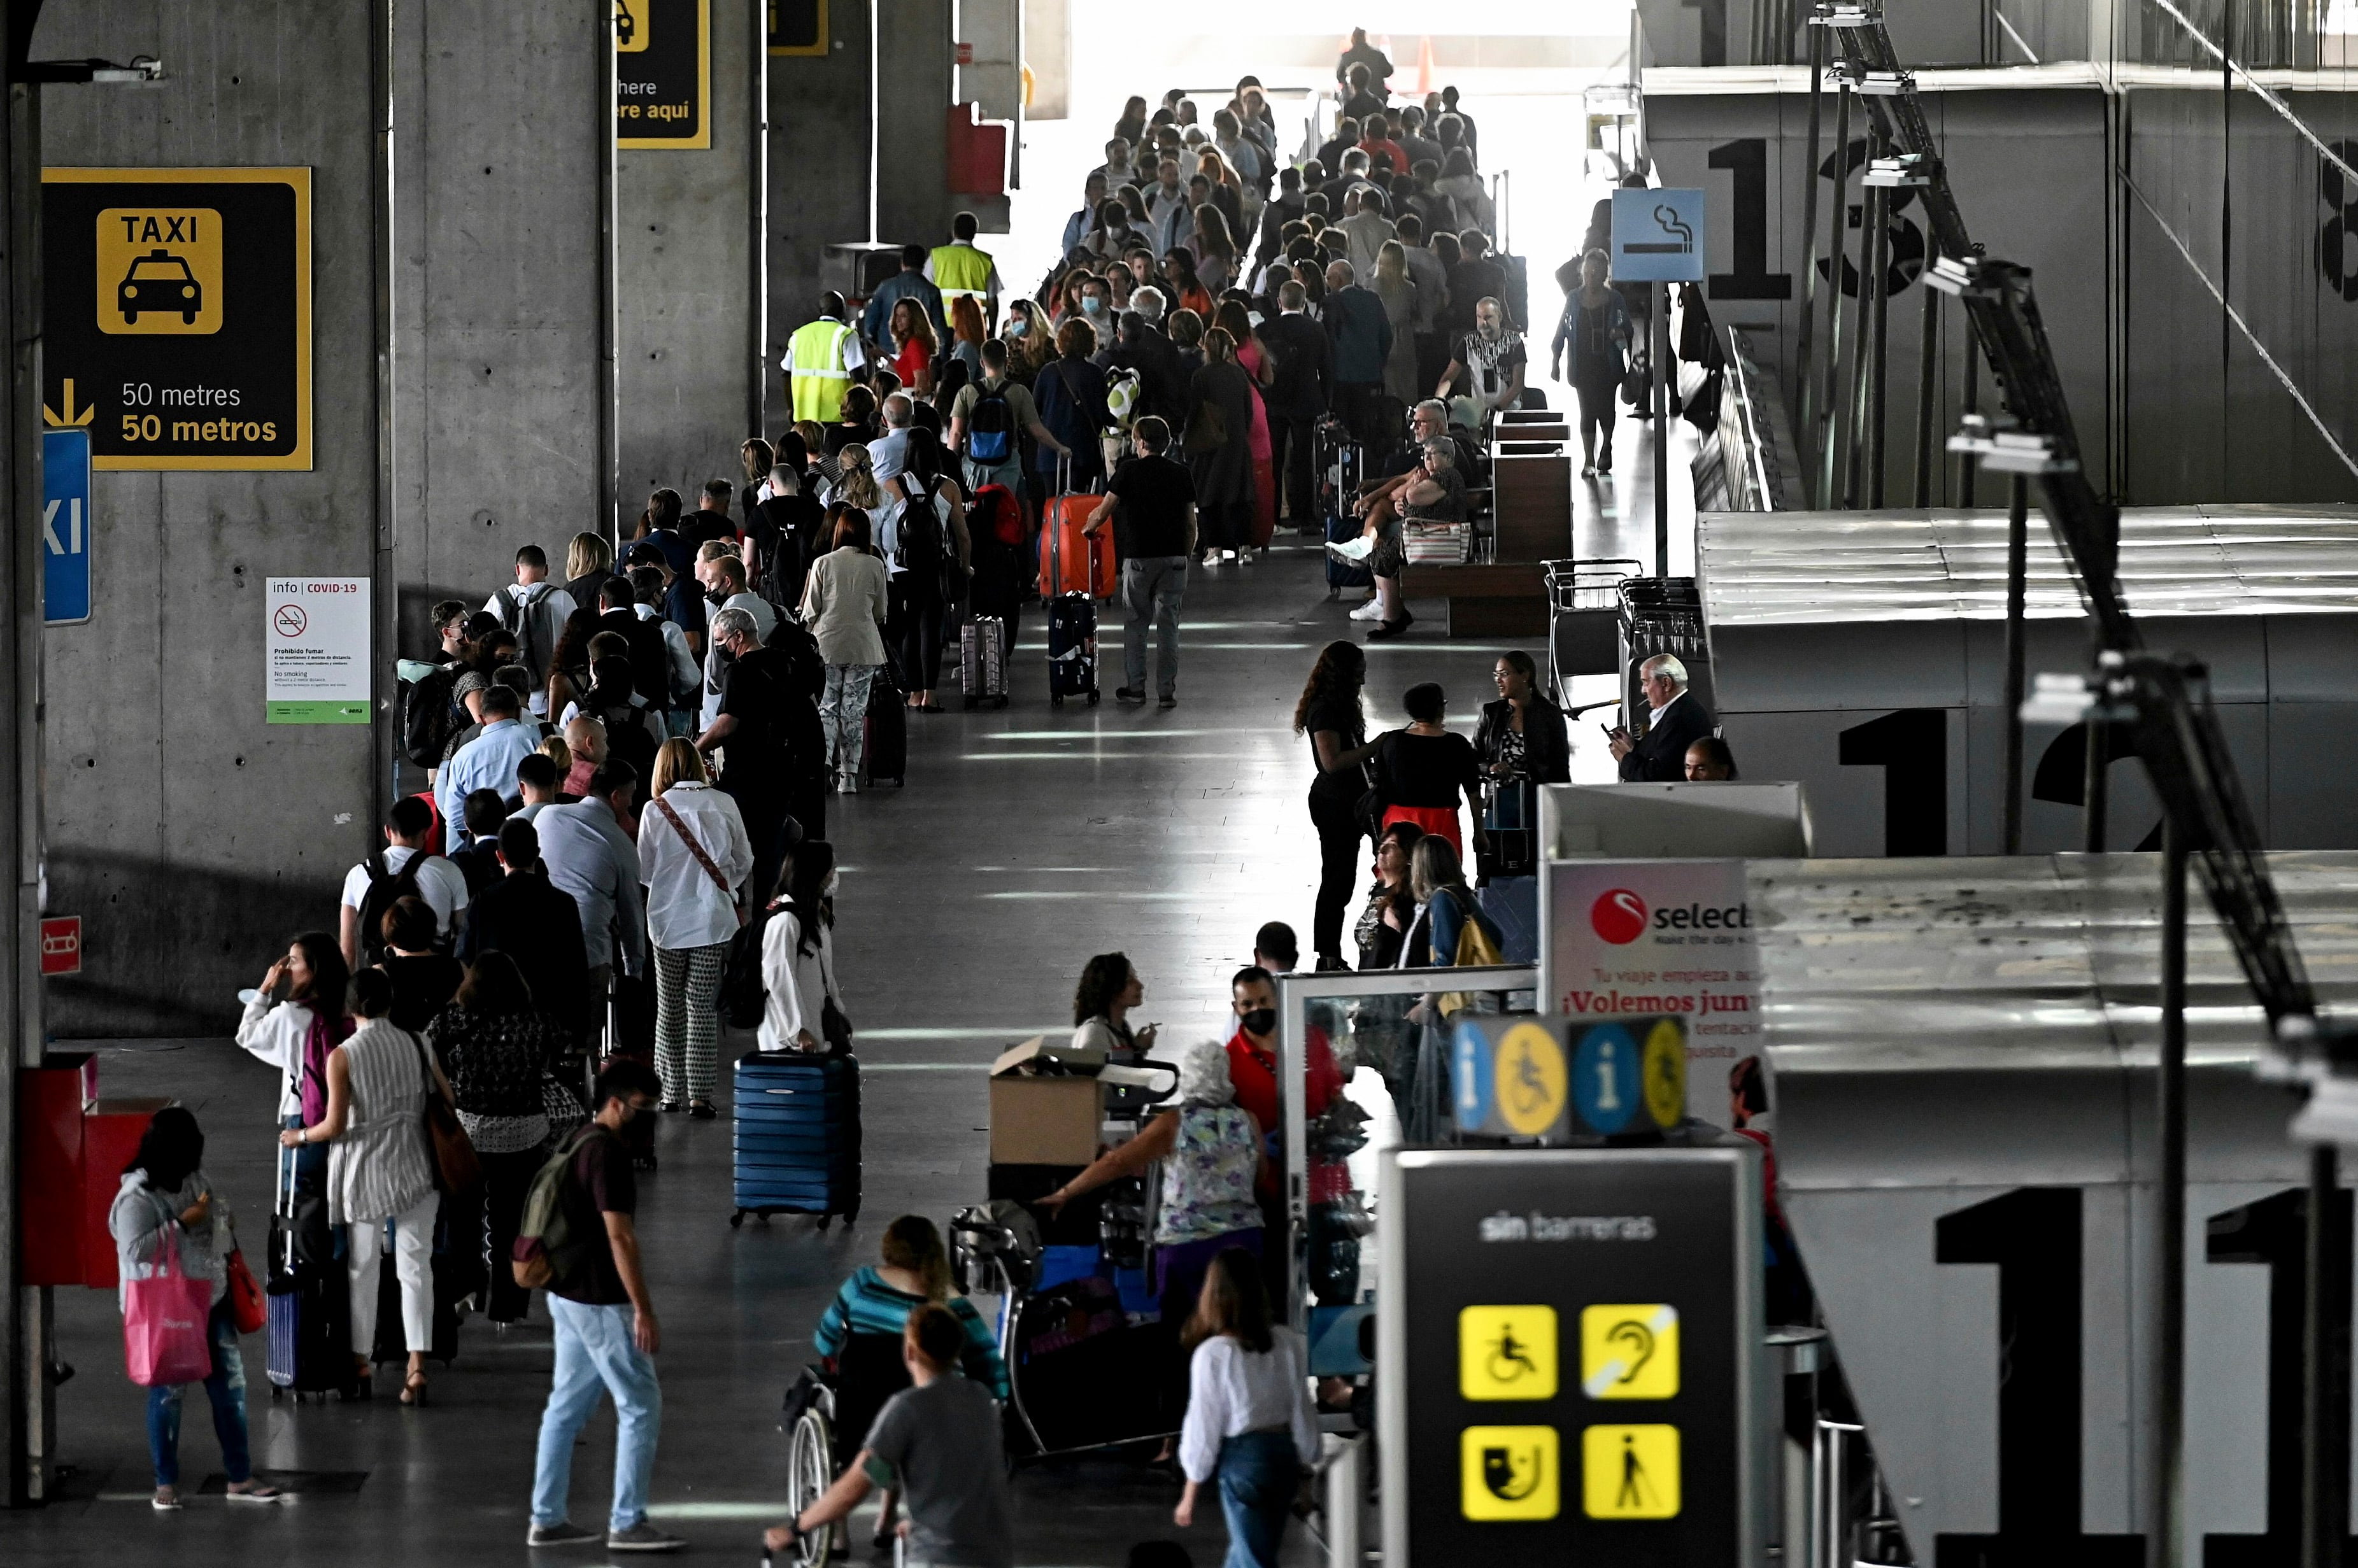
687	1019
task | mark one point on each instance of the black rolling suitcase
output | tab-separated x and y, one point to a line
886	725
1072	647
308	1299
982	661
797	1136
1340	465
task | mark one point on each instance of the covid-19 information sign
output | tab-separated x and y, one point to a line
1569	1357
177	315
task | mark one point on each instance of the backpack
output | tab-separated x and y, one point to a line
1121	397
650	659
557	1256
520	608
742	992
1001	517
991	427
385	887
430	716
917	548
627	740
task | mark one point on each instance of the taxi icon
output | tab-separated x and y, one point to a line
626	25
160	281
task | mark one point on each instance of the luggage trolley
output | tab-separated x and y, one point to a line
1584	619
1662	615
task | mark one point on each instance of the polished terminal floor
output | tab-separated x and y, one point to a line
1025	840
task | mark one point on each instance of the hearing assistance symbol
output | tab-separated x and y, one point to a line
1629	1352
1630	1472
1509	1473
1506	1353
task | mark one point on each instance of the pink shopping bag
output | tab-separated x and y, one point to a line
165	1339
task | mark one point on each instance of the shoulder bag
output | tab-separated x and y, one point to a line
1370	810
449	1150
696	849
834	1024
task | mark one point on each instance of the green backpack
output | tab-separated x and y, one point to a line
557	1254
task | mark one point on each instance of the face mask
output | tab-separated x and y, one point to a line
1092	305
717	595
1260	1020
1018	327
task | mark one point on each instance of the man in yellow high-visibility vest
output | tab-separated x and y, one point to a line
959	269
820	359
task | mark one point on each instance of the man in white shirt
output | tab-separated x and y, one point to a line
647	594
439	883
888	454
537	782
1168	216
535	610
487	761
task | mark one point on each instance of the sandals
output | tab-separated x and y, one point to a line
701	1109
412	1388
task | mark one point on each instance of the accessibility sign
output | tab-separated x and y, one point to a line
1506	1352
1509	1473
1630	1472
66	526
662	74
1657	235
177	315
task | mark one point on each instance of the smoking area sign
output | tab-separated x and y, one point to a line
663	73
316	636
1569	1361
177	315
1657	235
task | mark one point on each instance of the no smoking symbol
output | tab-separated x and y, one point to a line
290	620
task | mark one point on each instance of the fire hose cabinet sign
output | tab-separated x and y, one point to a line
177	315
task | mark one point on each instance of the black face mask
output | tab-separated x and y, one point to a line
717	595
1260	1020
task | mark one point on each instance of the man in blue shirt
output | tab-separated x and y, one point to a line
909	283
487	761
587	854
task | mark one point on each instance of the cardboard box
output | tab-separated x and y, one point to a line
1047	1105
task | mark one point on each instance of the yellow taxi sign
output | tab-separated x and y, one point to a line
1529	1079
1506	1353
1630	1472
1509	1473
1629	1352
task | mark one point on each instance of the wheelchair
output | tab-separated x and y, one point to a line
828	1414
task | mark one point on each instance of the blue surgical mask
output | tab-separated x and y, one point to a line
1092	304
1017	327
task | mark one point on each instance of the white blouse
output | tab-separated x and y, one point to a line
686	908
797	983
275	1033
1231	1391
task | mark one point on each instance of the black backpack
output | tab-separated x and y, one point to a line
991	427
650	659
430	716
627	740
529	625
385	888
917	531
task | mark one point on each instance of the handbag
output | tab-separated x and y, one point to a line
1368	811
834	1026
1637	386
1208	429
1475	950
449	1150
247	1309
166	1338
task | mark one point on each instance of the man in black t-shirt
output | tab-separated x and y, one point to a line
751	733
1152	505
606	1333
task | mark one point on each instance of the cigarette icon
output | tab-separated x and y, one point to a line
1671	223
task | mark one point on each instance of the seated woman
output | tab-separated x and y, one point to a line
1384	922
873	1308
1437	495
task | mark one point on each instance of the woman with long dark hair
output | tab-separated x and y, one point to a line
798	953
1329	713
1249	1426
166	1202
569	664
295	1035
1110	988
930	556
496	1043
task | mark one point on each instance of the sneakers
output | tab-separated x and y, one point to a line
1372	611
1128	694
256	1493
564	1532
642	1536
1354	550
1168	699
846	783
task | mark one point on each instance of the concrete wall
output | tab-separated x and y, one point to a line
192	837
913	98
821	142
683	290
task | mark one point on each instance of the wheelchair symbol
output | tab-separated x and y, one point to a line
1509	1360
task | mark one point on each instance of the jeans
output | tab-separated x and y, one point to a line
413	1261
842	712
1258	1474
225	1389
1338	863
1151	586
595	1351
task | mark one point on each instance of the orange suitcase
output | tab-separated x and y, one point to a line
1072	561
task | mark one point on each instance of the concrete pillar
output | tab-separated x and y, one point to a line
458	334
912	76
683	294
822	148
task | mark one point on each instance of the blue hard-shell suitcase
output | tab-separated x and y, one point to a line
797	1136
